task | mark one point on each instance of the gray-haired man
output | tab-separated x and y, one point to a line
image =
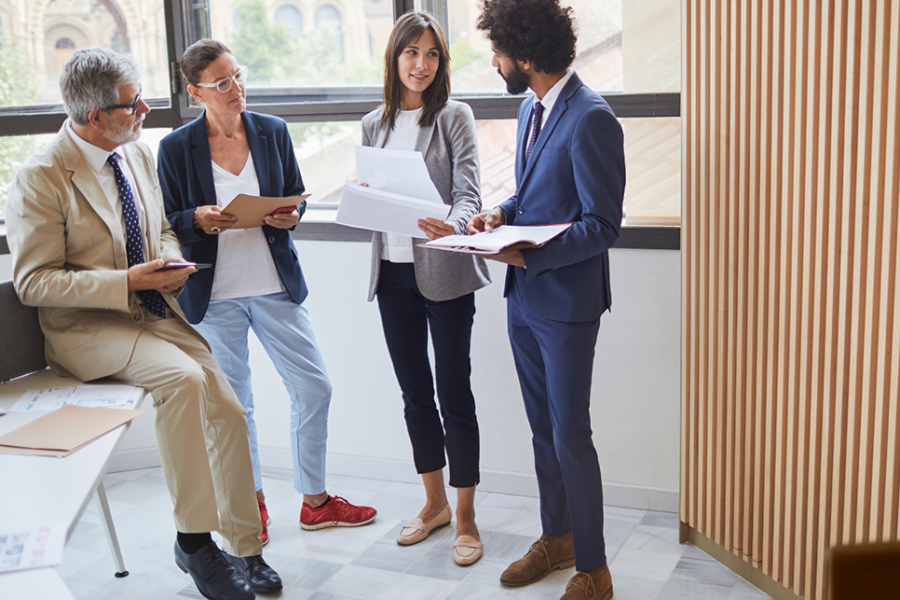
89	240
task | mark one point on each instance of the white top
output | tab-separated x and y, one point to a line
96	158
552	94
399	248
244	265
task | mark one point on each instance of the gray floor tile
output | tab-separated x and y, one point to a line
630	588
683	590
743	590
660	519
365	563
390	556
703	571
301	573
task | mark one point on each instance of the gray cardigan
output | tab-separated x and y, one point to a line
451	155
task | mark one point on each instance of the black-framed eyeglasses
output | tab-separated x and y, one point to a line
224	84
132	106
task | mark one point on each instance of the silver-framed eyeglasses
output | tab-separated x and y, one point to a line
224	84
133	106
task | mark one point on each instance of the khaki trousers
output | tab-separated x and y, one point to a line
202	433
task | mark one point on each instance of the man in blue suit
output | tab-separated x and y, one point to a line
570	167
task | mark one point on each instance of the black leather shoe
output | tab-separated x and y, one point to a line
215	577
257	572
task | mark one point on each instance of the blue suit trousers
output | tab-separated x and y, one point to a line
554	361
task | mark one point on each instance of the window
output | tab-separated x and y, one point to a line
290	17
328	21
64	27
629	46
322	75
292	63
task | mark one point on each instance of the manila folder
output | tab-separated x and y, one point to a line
61	432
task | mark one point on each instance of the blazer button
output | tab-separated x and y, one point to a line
136	316
271	239
521	211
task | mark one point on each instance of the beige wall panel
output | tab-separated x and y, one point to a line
791	258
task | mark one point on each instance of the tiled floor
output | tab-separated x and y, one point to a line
646	561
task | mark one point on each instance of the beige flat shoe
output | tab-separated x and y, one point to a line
417	530
467	550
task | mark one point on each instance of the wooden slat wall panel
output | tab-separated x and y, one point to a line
791	339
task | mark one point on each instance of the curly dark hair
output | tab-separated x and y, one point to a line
540	31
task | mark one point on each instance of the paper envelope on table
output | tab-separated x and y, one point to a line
63	431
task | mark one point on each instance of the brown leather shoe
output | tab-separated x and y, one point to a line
548	553
595	584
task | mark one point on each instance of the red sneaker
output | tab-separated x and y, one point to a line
335	513
264	517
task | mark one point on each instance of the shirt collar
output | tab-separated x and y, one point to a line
552	94
94	155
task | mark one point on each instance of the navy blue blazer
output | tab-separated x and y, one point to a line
186	179
576	174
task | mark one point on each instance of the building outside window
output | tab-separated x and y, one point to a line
289	16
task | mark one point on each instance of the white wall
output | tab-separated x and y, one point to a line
635	405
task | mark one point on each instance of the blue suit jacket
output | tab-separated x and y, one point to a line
186	179
576	174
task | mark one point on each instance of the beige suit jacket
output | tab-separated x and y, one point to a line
68	249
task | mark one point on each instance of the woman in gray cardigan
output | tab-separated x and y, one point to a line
418	289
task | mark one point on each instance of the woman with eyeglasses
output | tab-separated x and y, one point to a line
421	290
256	281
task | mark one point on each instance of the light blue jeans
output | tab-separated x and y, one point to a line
285	332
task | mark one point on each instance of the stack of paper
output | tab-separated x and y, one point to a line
398	192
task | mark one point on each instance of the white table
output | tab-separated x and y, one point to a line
42	488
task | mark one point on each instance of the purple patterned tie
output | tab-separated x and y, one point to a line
537	112
134	241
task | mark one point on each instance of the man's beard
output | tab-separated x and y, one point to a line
121	134
516	81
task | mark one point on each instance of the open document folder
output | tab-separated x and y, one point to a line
397	194
499	239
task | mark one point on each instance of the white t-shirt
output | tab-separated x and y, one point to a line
244	265
395	247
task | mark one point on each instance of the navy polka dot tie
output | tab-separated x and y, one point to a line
134	241
537	112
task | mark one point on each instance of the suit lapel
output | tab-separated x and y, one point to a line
202	159
86	183
559	109
257	141
424	138
381	133
522	137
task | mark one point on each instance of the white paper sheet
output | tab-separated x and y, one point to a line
104	396
31	547
397	171
377	210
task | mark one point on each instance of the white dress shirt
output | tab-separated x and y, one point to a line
552	94
96	158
